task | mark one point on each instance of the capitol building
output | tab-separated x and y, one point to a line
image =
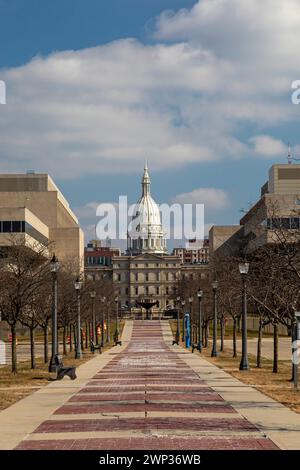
146	271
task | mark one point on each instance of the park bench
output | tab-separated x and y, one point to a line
62	371
94	347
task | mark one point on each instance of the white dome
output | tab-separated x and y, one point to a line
147	234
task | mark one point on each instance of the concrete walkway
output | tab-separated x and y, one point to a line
284	347
148	394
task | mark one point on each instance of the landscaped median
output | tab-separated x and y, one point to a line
275	385
14	387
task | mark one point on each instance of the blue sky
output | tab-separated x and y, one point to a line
95	87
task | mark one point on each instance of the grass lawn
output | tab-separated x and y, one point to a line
276	386
14	387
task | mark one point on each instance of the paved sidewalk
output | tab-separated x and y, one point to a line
146	396
284	347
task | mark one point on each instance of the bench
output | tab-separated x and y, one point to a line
94	347
62	371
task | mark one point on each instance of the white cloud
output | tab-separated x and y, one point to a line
212	198
267	146
227	67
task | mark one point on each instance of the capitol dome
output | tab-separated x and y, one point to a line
146	234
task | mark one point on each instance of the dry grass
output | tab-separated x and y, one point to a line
14	387
276	386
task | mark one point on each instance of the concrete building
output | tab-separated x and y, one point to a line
277	208
33	209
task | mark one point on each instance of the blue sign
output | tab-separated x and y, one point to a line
187	324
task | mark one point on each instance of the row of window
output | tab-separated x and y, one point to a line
98	261
147	277
287	223
148	291
20	226
147	265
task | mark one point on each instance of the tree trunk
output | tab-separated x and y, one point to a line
32	347
86	336
222	334
46	352
71	338
259	340
234	338
65	341
206	334
275	355
14	365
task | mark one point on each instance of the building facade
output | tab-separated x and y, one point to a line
146	272
34	210
278	207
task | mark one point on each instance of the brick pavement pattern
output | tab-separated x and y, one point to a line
146	397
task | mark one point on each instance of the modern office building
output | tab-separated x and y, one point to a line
277	208
34	210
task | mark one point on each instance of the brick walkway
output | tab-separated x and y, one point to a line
146	397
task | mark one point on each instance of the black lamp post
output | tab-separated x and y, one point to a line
94	335
116	335
214	352
200	295
177	337
78	285
182	306
191	300
54	268
296	338
244	269
103	300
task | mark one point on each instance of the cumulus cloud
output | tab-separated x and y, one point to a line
212	198
215	71
267	146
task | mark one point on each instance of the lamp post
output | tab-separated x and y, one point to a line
78	354
182	306
214	352
200	295
94	335
244	269
103	300
177	337
191	300
296	338
116	335
54	268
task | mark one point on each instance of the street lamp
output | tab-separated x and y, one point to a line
177	337
116	335
183	305
103	300
214	352
191	300
200	295
296	338
94	335
78	354
244	269
54	268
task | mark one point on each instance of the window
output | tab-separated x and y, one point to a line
136	291
157	291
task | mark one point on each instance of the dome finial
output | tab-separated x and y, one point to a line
146	180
